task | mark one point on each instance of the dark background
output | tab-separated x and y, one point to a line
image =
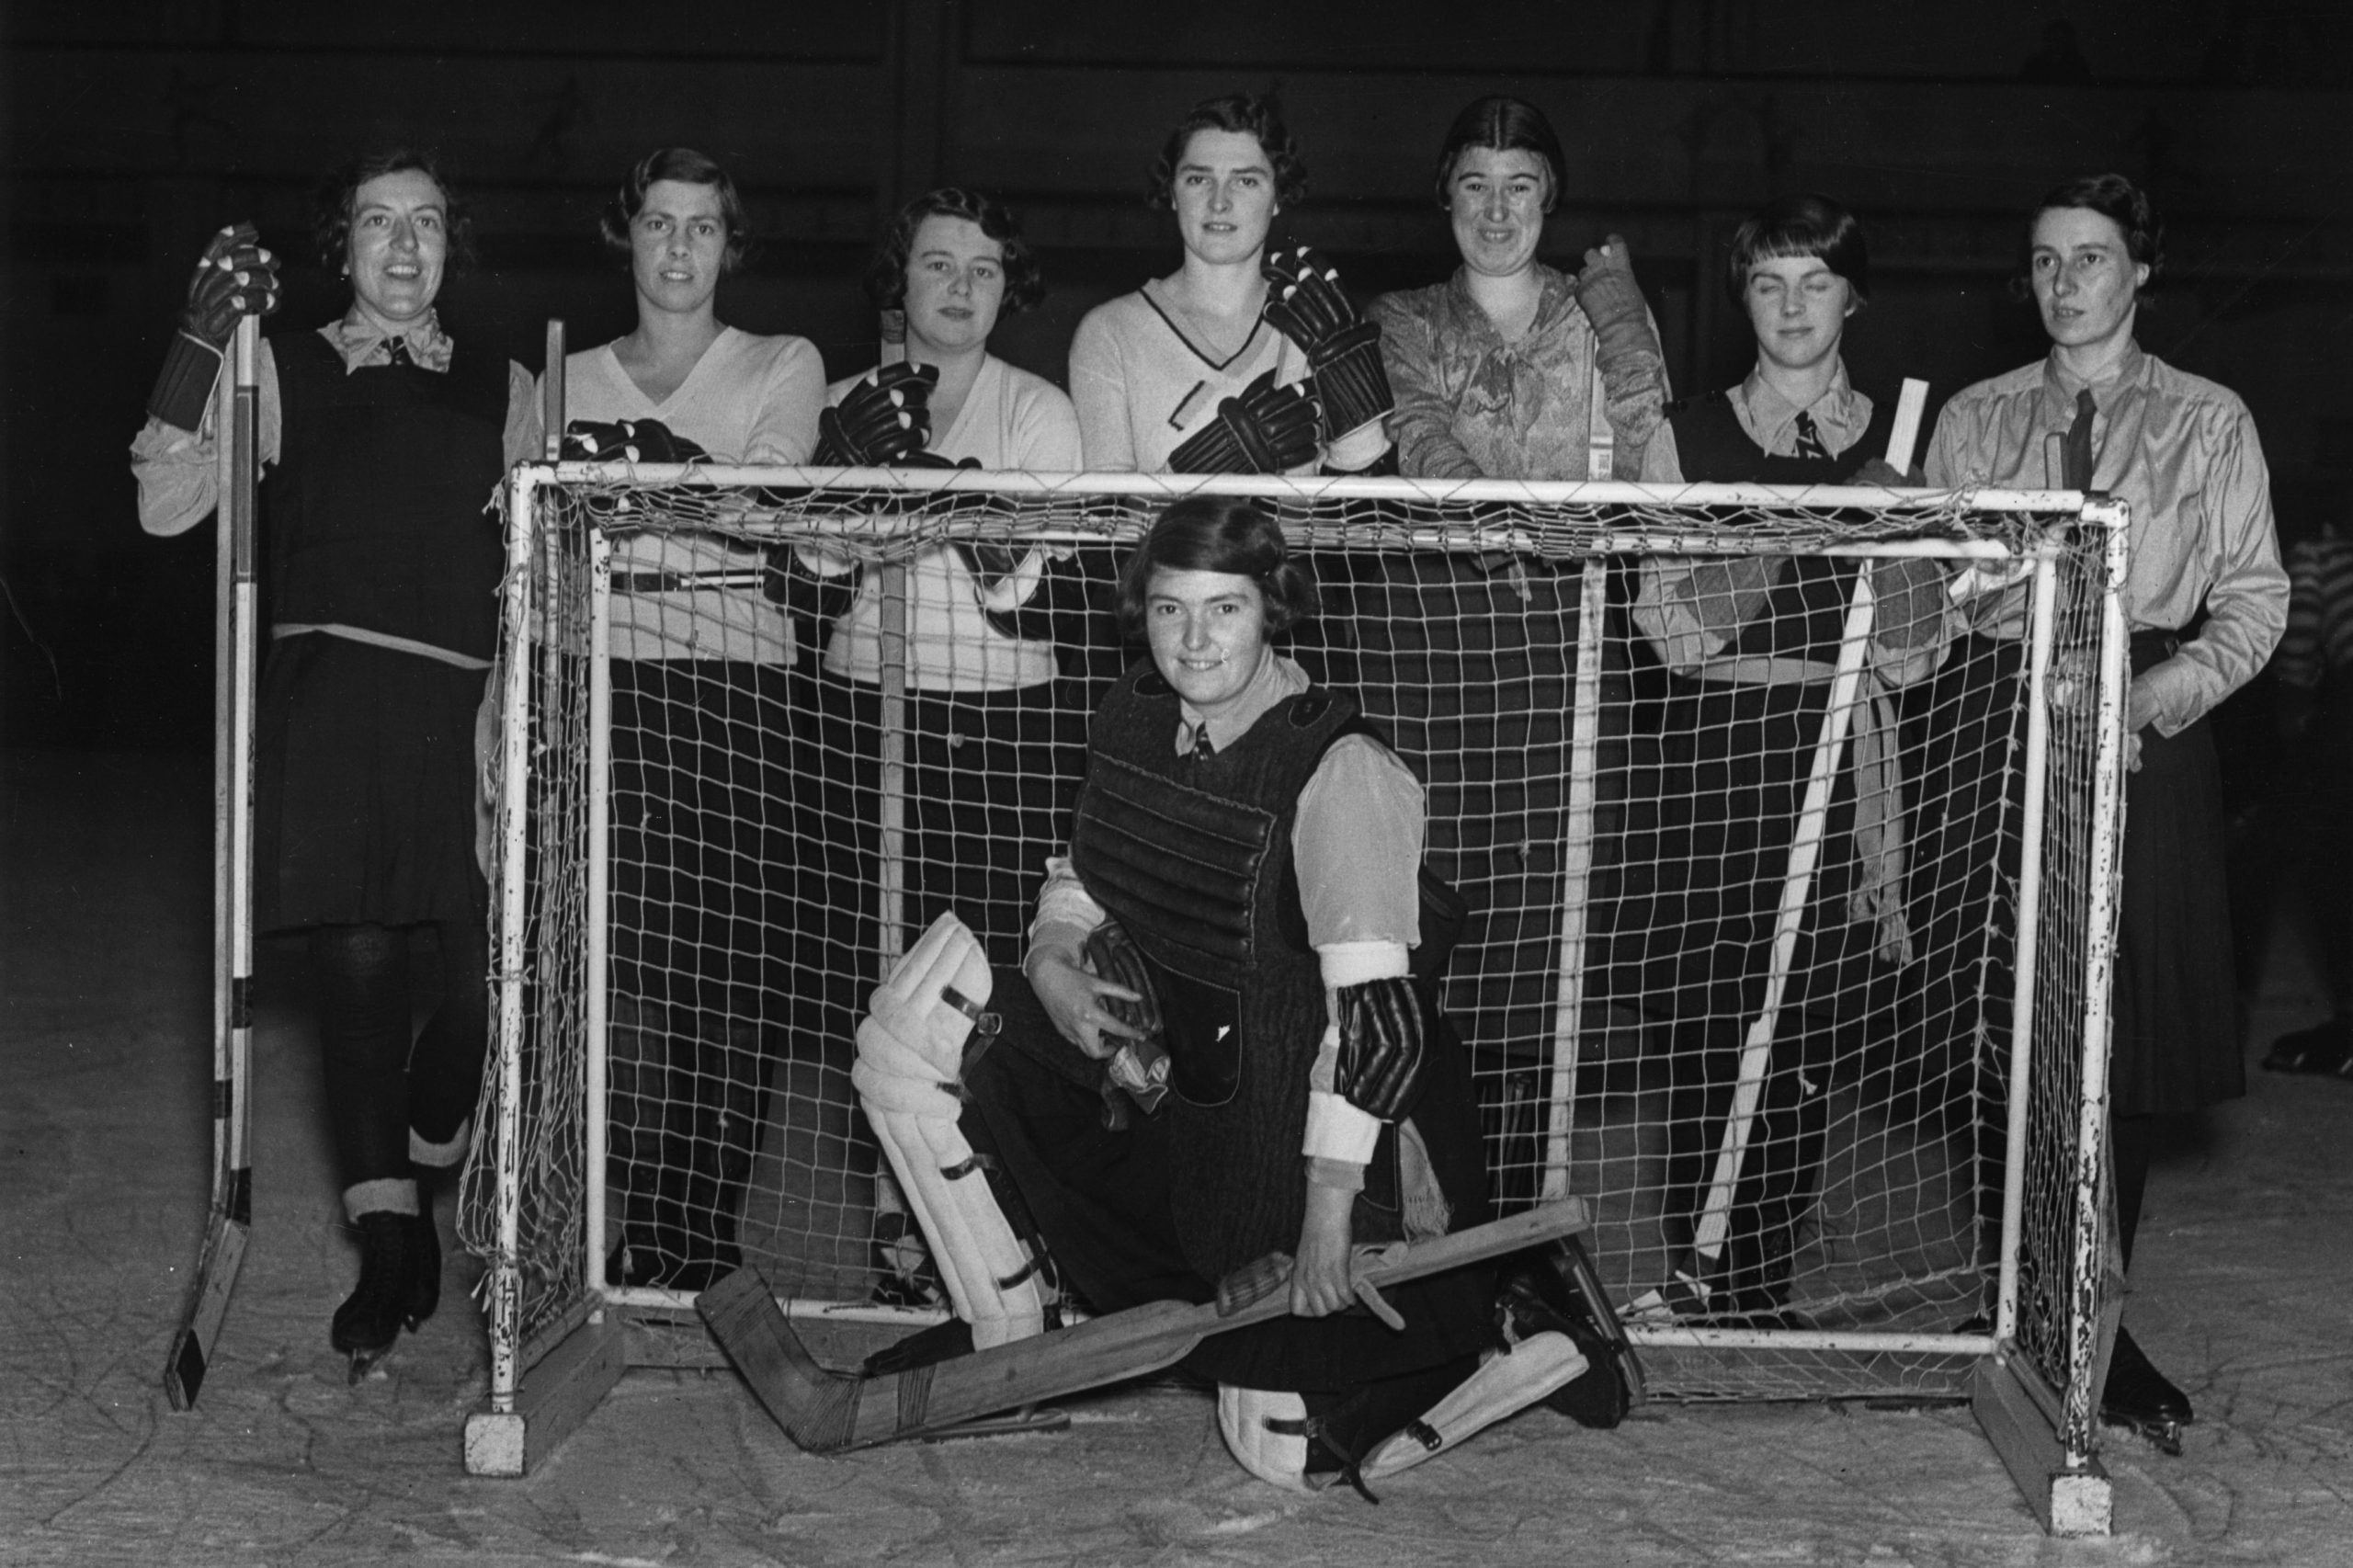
133	129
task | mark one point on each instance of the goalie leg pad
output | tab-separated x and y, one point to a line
1265	1431
1505	1384
909	1051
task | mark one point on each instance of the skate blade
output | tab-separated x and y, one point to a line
1008	1425
2163	1436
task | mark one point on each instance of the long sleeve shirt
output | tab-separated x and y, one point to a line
750	399
1143	385
176	470
2180	452
1471	405
1011	419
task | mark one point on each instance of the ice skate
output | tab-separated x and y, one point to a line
2142	1400
400	1285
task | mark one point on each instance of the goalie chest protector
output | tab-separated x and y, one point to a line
376	506
1193	858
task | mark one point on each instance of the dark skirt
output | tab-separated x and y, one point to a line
2176	996
363	787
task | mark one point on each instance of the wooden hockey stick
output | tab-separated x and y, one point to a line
1797	888
828	1413
235	650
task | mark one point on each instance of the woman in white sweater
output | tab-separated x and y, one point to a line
1214	368
701	725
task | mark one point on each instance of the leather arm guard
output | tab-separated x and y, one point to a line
909	1078
234	277
1267	429
1381	1046
1305	304
1139	1069
881	422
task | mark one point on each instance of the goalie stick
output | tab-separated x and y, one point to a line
829	1413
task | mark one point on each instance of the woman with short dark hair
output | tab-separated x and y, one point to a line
703	726
1243	891
992	630
1508	370
383	439
2206	599
1242	360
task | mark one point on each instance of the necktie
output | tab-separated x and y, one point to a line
397	348
1810	439
2080	459
1202	750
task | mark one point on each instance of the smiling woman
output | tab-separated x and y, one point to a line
382	438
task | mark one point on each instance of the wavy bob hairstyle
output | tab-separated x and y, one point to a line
336	196
1218	533
688	167
2119	201
1258	117
886	275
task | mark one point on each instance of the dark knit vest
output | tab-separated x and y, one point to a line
1805	614
375	508
1193	858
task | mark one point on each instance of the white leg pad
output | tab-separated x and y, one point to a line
910	1051
1508	1382
1273	1454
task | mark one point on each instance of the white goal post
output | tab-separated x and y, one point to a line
1787	820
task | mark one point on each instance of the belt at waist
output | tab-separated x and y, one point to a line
2154	646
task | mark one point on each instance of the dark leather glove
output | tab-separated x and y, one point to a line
1613	303
1381	1045
884	421
627	440
235	277
1139	1067
1267	429
1306	305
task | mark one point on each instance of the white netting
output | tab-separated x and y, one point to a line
1731	788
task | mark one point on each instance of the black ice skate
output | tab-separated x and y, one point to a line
2142	1400
400	1285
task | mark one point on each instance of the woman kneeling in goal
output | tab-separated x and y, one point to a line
1246	859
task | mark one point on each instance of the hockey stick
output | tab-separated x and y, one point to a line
828	1413
1797	886
234	647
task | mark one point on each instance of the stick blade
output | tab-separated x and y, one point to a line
817	1409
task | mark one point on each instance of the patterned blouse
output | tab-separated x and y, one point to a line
1471	405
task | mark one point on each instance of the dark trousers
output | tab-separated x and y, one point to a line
1103	1204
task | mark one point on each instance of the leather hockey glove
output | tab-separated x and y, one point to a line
1381	1045
1306	305
1267	429
627	440
1140	1066
883	421
1613	303
235	279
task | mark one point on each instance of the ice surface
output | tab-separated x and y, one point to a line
2243	1291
